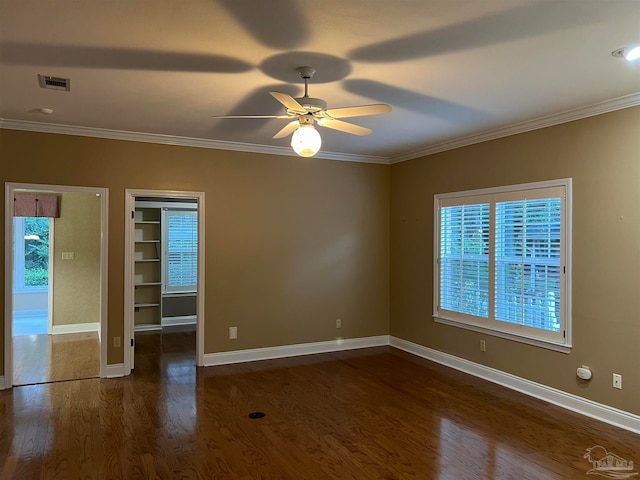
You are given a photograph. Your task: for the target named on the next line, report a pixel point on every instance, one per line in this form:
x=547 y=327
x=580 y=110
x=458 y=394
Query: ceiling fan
x=305 y=111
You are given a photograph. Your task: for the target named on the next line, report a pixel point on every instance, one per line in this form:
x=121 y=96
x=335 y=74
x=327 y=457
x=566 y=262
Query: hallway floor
x=53 y=358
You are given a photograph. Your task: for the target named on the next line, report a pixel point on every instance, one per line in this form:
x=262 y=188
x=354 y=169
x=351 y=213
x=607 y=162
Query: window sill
x=562 y=348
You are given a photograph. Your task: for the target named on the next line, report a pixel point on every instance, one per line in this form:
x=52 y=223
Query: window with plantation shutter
x=503 y=262
x=527 y=259
x=464 y=259
x=181 y=257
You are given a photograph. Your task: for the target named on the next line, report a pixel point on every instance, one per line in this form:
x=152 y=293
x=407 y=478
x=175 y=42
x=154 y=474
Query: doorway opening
x=164 y=274
x=55 y=277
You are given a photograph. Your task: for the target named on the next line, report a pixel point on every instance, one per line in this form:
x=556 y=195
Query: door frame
x=129 y=246
x=10 y=190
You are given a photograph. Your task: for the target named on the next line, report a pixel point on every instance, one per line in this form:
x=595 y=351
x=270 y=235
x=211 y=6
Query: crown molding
x=607 y=106
x=80 y=131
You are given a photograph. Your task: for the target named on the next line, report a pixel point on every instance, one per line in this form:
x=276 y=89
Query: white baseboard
x=268 y=353
x=113 y=371
x=604 y=413
x=76 y=328
x=2 y=385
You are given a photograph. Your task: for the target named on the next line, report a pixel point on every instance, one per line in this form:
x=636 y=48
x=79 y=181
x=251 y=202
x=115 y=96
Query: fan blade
x=288 y=129
x=361 y=111
x=289 y=102
x=344 y=126
x=253 y=116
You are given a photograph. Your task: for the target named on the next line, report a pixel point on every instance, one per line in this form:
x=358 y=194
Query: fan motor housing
x=311 y=104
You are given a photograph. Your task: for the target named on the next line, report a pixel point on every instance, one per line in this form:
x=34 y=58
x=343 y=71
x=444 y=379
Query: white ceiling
x=449 y=68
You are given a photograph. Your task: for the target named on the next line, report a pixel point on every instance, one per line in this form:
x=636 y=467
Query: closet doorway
x=55 y=277
x=164 y=268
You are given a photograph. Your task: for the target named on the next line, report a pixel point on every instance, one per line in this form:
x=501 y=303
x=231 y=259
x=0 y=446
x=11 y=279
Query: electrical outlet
x=617 y=381
x=483 y=346
x=233 y=333
x=338 y=323
x=68 y=255
x=116 y=342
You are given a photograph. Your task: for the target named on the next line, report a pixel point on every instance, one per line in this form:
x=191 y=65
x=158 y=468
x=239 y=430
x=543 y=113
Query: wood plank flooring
x=364 y=414
x=54 y=358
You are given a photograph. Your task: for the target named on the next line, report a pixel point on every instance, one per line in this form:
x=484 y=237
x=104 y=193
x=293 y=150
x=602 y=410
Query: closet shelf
x=147 y=267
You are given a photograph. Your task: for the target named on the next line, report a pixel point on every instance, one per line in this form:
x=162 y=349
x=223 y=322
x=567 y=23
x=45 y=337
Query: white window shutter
x=182 y=251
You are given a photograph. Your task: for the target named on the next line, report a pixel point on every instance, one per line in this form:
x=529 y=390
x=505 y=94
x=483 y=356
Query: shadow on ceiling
x=118 y=58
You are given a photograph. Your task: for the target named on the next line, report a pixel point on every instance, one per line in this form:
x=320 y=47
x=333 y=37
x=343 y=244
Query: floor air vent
x=54 y=83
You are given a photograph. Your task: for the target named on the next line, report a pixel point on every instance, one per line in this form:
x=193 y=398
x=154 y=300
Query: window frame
x=559 y=341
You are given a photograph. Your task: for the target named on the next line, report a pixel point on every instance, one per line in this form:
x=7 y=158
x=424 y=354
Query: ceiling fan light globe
x=306 y=141
x=632 y=54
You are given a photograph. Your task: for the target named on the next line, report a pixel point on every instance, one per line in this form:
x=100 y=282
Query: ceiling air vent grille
x=54 y=83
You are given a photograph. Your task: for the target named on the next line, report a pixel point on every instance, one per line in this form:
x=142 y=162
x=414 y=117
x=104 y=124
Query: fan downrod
x=310 y=104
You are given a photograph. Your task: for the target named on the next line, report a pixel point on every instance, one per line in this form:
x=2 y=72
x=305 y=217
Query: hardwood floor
x=363 y=414
x=54 y=358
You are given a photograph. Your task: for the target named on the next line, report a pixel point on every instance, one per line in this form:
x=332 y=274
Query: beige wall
x=76 y=282
x=602 y=155
x=291 y=243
